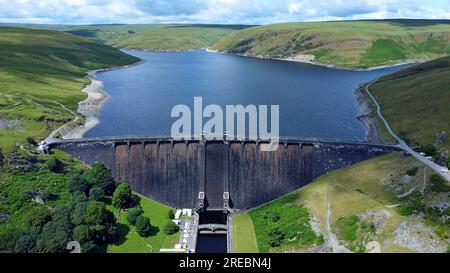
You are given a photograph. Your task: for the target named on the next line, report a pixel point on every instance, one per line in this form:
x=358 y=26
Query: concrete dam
x=218 y=174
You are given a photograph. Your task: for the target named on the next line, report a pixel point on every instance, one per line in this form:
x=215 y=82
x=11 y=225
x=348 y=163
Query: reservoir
x=314 y=101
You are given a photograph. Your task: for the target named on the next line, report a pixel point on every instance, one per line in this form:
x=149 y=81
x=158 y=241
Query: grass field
x=416 y=101
x=133 y=243
x=157 y=37
x=244 y=238
x=42 y=73
x=355 y=44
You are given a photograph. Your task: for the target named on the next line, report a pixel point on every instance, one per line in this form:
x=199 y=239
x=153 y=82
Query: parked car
x=444 y=170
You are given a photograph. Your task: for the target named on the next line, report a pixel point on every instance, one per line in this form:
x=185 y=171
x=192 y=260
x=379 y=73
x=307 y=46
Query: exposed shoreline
x=366 y=115
x=332 y=66
x=88 y=108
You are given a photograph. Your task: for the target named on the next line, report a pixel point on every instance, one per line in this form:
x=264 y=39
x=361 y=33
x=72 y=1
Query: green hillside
x=156 y=37
x=42 y=73
x=388 y=201
x=355 y=44
x=416 y=101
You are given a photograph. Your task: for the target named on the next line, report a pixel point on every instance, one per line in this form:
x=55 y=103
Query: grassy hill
x=156 y=37
x=416 y=101
x=379 y=200
x=355 y=44
x=42 y=73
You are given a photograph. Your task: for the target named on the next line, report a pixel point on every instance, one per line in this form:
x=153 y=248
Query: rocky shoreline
x=89 y=108
x=308 y=59
x=366 y=115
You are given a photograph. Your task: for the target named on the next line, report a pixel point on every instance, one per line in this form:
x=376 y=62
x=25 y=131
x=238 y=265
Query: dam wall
x=176 y=173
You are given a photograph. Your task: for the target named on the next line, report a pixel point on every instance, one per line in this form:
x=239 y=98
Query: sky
x=215 y=11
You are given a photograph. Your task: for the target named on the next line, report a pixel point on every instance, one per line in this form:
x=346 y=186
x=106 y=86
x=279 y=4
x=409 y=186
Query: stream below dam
x=212 y=243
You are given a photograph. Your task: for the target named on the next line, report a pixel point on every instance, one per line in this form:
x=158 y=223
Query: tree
x=429 y=149
x=439 y=184
x=97 y=214
x=170 y=228
x=1 y=158
x=79 y=197
x=89 y=247
x=78 y=183
x=170 y=214
x=101 y=177
x=31 y=141
x=78 y=213
x=275 y=217
x=143 y=226
x=113 y=233
x=133 y=214
x=81 y=234
x=37 y=217
x=96 y=194
x=56 y=233
x=276 y=237
x=448 y=163
x=122 y=197
x=25 y=244
x=55 y=165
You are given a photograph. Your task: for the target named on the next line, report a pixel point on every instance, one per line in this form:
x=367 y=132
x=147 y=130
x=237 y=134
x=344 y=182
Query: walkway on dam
x=402 y=144
x=213 y=227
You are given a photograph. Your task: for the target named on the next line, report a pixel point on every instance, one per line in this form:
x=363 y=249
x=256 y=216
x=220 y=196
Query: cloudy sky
x=214 y=11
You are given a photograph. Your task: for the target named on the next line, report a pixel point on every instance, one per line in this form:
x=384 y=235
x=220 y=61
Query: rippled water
x=314 y=101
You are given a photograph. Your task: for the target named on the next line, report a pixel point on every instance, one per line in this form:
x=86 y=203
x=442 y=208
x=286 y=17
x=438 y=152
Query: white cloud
x=214 y=11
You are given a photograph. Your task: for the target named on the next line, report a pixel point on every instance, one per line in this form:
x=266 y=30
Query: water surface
x=314 y=101
x=207 y=243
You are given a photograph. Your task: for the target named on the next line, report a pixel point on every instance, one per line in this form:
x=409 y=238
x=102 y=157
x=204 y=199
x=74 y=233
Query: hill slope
x=42 y=72
x=416 y=101
x=388 y=201
x=355 y=44
x=157 y=37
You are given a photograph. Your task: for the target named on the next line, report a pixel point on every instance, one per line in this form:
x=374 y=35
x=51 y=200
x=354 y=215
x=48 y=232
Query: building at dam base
x=218 y=174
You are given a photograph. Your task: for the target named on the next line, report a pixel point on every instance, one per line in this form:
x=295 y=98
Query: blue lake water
x=314 y=101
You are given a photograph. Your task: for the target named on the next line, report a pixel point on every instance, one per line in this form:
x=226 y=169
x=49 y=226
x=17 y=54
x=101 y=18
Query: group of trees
x=136 y=218
x=85 y=219
x=170 y=227
x=123 y=198
x=96 y=183
x=89 y=223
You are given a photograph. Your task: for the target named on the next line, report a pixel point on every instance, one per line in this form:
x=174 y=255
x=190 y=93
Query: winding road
x=401 y=144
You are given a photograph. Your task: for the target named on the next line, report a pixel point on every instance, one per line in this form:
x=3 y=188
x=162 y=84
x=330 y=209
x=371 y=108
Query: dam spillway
x=217 y=174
